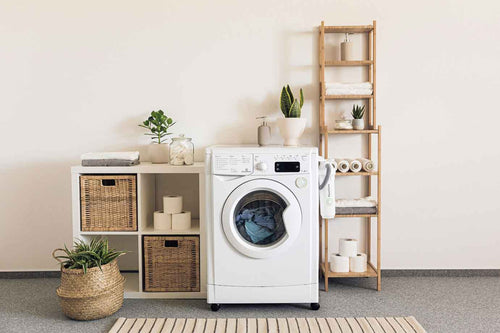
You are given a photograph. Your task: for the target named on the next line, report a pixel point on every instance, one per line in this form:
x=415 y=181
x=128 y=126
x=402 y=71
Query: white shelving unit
x=153 y=181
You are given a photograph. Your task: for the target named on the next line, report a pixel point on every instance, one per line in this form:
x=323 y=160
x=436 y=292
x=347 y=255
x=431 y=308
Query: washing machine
x=262 y=225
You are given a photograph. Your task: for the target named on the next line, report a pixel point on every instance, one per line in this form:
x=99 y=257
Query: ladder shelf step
x=349 y=28
x=348 y=63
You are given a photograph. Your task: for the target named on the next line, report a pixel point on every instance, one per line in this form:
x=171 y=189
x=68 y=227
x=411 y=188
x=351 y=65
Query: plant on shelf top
x=84 y=256
x=290 y=106
x=158 y=123
x=358 y=111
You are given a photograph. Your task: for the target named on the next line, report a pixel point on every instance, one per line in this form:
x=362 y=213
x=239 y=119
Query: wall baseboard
x=439 y=272
x=385 y=273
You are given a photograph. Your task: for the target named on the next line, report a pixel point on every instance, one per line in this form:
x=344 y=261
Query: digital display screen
x=287 y=166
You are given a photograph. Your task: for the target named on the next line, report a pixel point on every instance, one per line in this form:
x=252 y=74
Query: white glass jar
x=181 y=151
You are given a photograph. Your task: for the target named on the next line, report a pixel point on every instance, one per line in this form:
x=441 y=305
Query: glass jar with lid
x=181 y=151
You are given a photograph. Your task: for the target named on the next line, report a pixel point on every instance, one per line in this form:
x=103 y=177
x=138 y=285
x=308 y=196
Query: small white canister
x=181 y=151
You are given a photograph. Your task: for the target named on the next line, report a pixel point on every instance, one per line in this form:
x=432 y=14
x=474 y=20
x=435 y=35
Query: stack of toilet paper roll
x=348 y=259
x=354 y=165
x=172 y=216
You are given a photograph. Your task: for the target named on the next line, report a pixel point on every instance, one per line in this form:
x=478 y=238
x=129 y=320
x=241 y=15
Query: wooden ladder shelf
x=373 y=129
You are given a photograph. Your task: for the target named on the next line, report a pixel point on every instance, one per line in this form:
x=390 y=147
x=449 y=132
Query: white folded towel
x=121 y=155
x=348 y=91
x=342 y=165
x=361 y=202
x=354 y=165
x=347 y=85
x=366 y=164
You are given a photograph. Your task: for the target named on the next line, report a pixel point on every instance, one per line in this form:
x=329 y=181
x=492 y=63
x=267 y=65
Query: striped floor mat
x=268 y=325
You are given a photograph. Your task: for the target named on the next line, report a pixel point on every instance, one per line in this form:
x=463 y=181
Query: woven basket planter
x=96 y=294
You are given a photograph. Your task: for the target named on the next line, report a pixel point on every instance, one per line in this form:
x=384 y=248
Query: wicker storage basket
x=96 y=294
x=171 y=263
x=108 y=202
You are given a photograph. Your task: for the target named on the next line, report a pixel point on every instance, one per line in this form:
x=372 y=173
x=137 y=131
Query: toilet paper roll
x=354 y=165
x=181 y=221
x=366 y=164
x=162 y=221
x=358 y=263
x=338 y=263
x=342 y=165
x=172 y=204
x=348 y=247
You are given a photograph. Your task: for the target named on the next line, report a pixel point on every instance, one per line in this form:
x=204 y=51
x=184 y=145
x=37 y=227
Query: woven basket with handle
x=96 y=294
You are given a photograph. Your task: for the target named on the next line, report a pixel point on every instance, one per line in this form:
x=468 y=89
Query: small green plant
x=290 y=106
x=358 y=111
x=85 y=256
x=158 y=123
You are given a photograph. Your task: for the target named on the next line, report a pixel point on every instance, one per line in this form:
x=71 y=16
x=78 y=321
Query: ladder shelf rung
x=348 y=62
x=349 y=28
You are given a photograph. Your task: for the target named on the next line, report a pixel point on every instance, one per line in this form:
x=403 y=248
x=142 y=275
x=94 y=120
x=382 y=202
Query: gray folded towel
x=109 y=162
x=355 y=210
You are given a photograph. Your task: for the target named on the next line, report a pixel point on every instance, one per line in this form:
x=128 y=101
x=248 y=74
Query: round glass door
x=258 y=217
x=261 y=218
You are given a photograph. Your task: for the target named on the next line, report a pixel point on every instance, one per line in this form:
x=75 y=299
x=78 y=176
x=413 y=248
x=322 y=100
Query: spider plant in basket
x=292 y=126
x=357 y=113
x=91 y=283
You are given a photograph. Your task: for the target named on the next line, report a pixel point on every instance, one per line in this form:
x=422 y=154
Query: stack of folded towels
x=367 y=205
x=125 y=158
x=337 y=88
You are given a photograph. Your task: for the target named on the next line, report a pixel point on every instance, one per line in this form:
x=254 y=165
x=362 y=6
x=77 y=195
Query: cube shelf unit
x=373 y=129
x=153 y=181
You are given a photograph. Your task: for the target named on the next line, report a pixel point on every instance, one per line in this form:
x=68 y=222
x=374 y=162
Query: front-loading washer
x=262 y=225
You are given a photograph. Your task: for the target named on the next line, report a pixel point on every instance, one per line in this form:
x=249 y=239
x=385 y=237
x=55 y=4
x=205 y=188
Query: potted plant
x=158 y=124
x=357 y=113
x=292 y=126
x=91 y=283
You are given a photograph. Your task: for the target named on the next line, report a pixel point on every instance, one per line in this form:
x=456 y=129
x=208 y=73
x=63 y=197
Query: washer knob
x=261 y=166
x=301 y=182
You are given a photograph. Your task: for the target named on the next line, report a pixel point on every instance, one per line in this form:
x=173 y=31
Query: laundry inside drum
x=259 y=218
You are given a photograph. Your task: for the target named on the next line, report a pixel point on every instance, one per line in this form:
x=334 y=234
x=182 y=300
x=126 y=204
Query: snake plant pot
x=158 y=152
x=358 y=124
x=291 y=130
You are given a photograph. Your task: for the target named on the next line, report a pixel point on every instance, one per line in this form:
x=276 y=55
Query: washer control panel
x=241 y=164
x=232 y=164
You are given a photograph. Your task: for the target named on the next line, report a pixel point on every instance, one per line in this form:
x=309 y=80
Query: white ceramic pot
x=158 y=153
x=358 y=124
x=291 y=130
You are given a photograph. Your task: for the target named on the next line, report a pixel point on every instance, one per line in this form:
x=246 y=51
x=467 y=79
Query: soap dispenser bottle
x=264 y=133
x=346 y=49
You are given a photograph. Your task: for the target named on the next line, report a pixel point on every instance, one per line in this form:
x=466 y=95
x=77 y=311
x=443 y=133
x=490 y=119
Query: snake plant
x=290 y=106
x=357 y=111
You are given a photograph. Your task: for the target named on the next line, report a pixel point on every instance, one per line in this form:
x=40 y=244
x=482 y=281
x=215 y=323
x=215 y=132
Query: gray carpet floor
x=440 y=304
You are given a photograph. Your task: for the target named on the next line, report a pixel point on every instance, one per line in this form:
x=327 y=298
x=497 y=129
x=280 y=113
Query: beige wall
x=77 y=76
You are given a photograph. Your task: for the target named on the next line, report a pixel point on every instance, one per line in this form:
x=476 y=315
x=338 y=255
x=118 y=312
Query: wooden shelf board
x=348 y=63
x=349 y=28
x=363 y=173
x=194 y=230
x=365 y=131
x=369 y=273
x=348 y=97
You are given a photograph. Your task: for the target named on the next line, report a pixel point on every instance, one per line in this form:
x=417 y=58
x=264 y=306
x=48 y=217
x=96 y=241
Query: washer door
x=261 y=218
